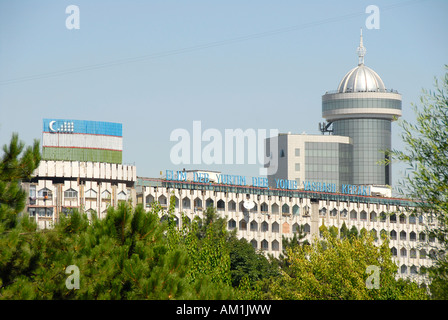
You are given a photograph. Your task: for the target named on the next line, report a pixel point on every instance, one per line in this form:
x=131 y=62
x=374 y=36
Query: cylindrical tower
x=363 y=109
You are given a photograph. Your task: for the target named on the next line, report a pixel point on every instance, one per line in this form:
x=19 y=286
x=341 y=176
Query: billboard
x=82 y=140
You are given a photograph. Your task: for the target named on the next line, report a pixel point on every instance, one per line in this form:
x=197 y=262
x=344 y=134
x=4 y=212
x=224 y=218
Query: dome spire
x=361 y=51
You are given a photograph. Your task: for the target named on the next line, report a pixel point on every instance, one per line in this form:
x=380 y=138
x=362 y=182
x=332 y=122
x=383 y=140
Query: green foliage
x=426 y=154
x=16 y=164
x=335 y=268
x=18 y=260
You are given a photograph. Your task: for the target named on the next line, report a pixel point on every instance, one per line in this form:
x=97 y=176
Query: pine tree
x=18 y=259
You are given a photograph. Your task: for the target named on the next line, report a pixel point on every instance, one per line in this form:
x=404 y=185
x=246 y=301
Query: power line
x=197 y=47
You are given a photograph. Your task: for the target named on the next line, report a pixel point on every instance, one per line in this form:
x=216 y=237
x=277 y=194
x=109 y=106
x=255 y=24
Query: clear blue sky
x=249 y=64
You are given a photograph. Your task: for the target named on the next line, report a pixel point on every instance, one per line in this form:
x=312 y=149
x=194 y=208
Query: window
x=297 y=166
x=297 y=152
x=323 y=211
x=70 y=193
x=393 y=235
x=32 y=194
x=403 y=252
x=105 y=195
x=402 y=218
x=91 y=194
x=282 y=153
x=45 y=194
x=253 y=226
x=394 y=252
x=264 y=245
x=363 y=215
x=122 y=196
x=31 y=212
x=220 y=205
x=403 y=235
x=404 y=269
x=264 y=226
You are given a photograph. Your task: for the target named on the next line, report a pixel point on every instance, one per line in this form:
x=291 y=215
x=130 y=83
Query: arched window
x=394 y=251
x=296 y=210
x=403 y=252
x=221 y=205
x=90 y=194
x=393 y=235
x=264 y=226
x=186 y=204
x=404 y=269
x=363 y=215
x=45 y=194
x=323 y=212
x=70 y=193
x=264 y=207
x=307 y=228
x=264 y=245
x=403 y=235
x=254 y=244
x=121 y=196
x=253 y=225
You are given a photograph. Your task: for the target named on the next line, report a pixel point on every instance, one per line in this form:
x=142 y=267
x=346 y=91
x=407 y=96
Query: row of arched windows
x=413 y=253
x=221 y=205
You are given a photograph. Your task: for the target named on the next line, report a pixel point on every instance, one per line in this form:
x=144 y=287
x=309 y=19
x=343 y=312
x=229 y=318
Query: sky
x=157 y=66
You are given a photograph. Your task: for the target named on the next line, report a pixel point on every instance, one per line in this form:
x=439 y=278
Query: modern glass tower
x=363 y=109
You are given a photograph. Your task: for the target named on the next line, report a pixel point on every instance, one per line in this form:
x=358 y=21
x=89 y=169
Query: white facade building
x=58 y=186
x=277 y=213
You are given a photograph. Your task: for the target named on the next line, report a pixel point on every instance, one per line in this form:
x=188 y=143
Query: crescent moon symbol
x=51 y=126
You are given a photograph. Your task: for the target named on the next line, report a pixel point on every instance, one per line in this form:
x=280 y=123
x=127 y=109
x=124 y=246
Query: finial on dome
x=361 y=51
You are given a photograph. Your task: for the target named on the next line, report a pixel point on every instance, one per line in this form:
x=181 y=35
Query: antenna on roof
x=361 y=51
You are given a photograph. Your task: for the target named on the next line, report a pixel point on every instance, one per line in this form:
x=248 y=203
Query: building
x=80 y=168
x=319 y=158
x=264 y=215
x=363 y=109
x=332 y=180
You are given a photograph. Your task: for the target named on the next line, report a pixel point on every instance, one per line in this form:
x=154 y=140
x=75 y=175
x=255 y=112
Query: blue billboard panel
x=82 y=126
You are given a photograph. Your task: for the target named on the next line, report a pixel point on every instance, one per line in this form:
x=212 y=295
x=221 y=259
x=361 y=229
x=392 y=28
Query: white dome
x=361 y=79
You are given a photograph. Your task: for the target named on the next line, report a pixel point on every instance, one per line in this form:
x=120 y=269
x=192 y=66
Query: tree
x=334 y=268
x=426 y=154
x=17 y=164
x=17 y=257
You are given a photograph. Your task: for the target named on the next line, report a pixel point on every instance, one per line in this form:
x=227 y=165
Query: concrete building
x=319 y=158
x=80 y=168
x=363 y=109
x=264 y=215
